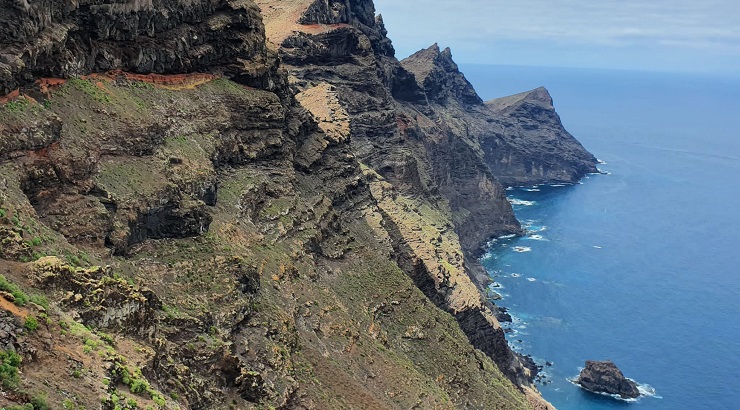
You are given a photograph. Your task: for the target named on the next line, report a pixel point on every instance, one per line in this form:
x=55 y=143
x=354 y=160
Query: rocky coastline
x=255 y=204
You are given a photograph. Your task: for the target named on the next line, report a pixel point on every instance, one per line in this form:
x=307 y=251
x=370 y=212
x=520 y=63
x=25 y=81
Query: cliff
x=541 y=151
x=228 y=204
x=520 y=138
x=62 y=39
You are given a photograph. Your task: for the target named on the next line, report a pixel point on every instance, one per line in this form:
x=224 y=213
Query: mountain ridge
x=286 y=212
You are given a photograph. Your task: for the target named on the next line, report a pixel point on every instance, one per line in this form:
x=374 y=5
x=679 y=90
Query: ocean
x=640 y=265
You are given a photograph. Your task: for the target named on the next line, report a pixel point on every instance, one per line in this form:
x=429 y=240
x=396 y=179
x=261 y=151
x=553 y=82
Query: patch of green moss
x=91 y=89
x=21 y=104
x=134 y=177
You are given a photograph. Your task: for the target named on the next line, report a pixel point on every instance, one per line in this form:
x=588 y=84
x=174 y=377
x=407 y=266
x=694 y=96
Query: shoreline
x=495 y=298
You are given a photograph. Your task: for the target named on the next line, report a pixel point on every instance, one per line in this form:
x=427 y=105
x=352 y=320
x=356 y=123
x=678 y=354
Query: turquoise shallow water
x=640 y=266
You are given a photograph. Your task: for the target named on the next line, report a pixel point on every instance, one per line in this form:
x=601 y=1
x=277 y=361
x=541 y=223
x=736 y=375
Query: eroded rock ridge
x=254 y=204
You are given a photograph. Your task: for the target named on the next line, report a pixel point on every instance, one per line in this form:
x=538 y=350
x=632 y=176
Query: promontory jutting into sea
x=253 y=204
x=612 y=264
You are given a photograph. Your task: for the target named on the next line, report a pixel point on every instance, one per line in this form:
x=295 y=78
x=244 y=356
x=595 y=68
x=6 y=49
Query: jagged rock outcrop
x=98 y=297
x=439 y=77
x=12 y=245
x=605 y=377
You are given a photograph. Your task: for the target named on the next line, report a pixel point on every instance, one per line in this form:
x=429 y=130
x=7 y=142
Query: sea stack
x=605 y=377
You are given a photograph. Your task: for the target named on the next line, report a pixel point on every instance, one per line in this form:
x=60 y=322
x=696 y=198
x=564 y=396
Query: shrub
x=125 y=376
x=159 y=400
x=40 y=300
x=39 y=403
x=107 y=338
x=139 y=386
x=31 y=324
x=9 y=368
x=13 y=289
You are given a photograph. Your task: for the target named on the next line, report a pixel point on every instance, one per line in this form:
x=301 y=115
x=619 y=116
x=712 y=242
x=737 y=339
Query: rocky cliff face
x=200 y=228
x=411 y=154
x=63 y=39
x=520 y=138
x=541 y=150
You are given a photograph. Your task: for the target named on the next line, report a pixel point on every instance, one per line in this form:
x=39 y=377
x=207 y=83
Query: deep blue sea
x=640 y=266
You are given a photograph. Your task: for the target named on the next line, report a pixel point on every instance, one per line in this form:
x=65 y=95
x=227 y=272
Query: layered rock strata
x=421 y=128
x=208 y=230
x=63 y=39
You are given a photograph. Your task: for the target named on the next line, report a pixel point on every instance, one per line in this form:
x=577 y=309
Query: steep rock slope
x=410 y=157
x=520 y=137
x=427 y=136
x=544 y=152
x=186 y=240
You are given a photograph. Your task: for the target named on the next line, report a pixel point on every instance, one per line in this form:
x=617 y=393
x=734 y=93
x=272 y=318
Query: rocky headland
x=238 y=204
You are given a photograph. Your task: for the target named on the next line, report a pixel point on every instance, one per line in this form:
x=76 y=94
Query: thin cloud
x=712 y=25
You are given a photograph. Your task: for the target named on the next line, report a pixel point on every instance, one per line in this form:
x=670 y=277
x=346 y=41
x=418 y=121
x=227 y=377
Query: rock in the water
x=605 y=377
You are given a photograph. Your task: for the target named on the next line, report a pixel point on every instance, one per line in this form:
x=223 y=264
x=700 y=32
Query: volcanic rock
x=285 y=225
x=605 y=377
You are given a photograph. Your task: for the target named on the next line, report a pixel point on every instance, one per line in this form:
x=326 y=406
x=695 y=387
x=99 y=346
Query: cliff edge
x=543 y=152
x=252 y=204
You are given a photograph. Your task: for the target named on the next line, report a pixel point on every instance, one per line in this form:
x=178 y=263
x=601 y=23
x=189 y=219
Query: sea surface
x=640 y=265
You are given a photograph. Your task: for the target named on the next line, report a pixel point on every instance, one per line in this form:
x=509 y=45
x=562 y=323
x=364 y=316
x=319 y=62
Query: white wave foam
x=507 y=236
x=601 y=161
x=531 y=279
x=602 y=172
x=521 y=249
x=531 y=189
x=531 y=227
x=516 y=275
x=597 y=247
x=522 y=202
x=645 y=390
x=558 y=185
x=536 y=237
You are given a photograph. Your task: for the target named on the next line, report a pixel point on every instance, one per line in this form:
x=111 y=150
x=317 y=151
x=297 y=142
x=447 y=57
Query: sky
x=654 y=35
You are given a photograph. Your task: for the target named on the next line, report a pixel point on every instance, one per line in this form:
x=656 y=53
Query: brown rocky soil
x=282 y=20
